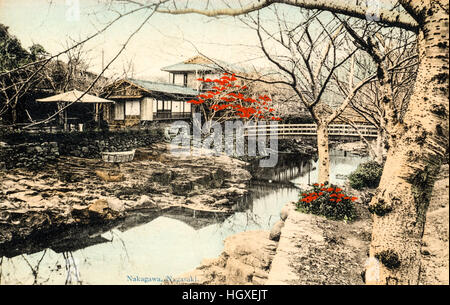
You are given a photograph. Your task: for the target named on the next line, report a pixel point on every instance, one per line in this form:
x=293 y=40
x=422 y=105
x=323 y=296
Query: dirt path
x=316 y=251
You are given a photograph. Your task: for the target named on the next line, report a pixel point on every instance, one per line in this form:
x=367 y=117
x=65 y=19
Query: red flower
x=330 y=189
x=346 y=197
x=354 y=198
x=337 y=200
x=338 y=190
x=333 y=195
x=316 y=184
x=332 y=199
x=320 y=194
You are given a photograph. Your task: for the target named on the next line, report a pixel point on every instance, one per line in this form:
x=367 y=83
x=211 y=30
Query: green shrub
x=328 y=201
x=367 y=174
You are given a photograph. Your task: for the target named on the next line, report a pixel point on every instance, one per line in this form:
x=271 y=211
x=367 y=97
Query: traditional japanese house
x=138 y=101
x=187 y=72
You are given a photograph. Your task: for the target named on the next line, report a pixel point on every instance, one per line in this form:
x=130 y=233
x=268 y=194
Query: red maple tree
x=230 y=100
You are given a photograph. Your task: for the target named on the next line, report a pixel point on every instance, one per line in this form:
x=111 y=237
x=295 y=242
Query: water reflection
x=162 y=247
x=149 y=245
x=341 y=165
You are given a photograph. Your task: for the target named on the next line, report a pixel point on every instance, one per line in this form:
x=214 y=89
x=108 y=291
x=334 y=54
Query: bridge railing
x=311 y=129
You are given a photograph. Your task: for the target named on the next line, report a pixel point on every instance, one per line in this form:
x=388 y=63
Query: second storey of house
x=186 y=73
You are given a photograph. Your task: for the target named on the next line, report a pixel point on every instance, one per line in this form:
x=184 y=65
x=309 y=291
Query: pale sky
x=164 y=40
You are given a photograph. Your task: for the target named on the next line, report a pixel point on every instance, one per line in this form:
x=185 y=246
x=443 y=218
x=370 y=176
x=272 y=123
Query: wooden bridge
x=290 y=130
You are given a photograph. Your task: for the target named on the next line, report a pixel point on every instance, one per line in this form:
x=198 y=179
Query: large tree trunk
x=324 y=154
x=380 y=149
x=413 y=161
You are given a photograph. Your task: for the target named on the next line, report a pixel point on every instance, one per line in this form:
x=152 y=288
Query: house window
x=187 y=107
x=160 y=105
x=147 y=109
x=177 y=106
x=185 y=76
x=119 y=111
x=155 y=105
x=132 y=108
x=167 y=105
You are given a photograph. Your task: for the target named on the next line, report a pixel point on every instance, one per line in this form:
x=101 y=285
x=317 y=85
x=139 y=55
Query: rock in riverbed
x=275 y=232
x=246 y=259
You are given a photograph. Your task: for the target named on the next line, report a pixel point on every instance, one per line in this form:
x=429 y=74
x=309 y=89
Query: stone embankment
x=356 y=148
x=35 y=151
x=28 y=155
x=246 y=259
x=305 y=146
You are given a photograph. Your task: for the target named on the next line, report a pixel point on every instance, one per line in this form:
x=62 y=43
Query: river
x=154 y=247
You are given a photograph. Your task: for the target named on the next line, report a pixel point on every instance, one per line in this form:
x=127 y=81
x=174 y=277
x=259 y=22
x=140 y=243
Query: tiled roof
x=201 y=64
x=182 y=67
x=163 y=88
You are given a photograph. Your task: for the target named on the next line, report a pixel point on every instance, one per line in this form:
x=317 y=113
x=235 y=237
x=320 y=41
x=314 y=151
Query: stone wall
x=28 y=155
x=35 y=150
x=78 y=145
